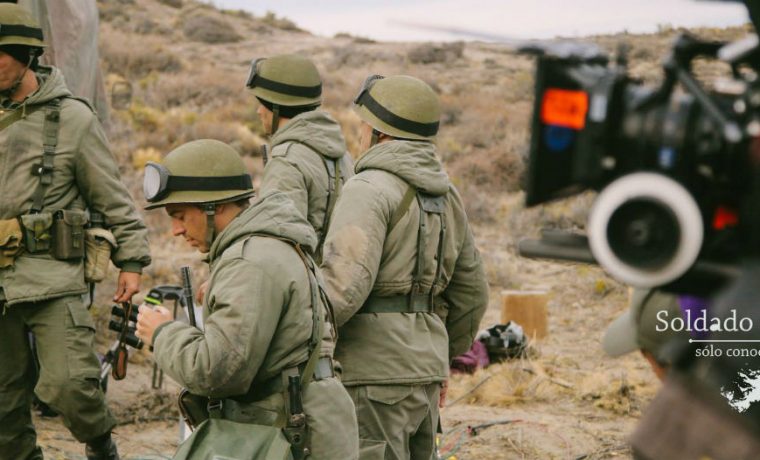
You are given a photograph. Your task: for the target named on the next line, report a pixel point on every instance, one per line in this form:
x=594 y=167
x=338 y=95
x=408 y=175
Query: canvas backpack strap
x=334 y=184
x=49 y=143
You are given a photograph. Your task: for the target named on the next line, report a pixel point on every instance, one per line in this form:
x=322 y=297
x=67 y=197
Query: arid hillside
x=176 y=71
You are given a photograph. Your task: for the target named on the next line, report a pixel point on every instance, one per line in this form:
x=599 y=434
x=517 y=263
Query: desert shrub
x=208 y=88
x=172 y=3
x=209 y=29
x=135 y=56
x=243 y=14
x=429 y=53
x=355 y=38
x=272 y=20
x=494 y=169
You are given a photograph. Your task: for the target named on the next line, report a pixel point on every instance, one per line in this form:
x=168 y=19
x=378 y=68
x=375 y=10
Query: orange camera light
x=566 y=108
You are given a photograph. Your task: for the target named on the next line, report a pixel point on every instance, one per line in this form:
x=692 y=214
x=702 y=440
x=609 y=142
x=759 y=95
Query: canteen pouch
x=227 y=440
x=98 y=243
x=38 y=238
x=68 y=234
x=10 y=242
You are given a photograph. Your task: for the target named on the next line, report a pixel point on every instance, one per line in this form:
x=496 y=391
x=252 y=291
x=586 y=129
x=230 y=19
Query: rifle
x=156 y=296
x=187 y=293
x=115 y=359
x=124 y=319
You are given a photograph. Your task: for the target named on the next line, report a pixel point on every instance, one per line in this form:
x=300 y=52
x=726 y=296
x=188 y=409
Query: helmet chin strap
x=375 y=137
x=9 y=92
x=275 y=118
x=210 y=210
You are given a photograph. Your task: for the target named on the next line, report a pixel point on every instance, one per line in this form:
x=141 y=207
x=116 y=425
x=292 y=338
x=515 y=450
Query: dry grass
x=210 y=29
x=142 y=55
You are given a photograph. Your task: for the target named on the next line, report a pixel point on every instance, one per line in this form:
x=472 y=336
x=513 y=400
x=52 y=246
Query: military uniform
x=41 y=293
x=408 y=289
x=310 y=164
x=309 y=160
x=258 y=321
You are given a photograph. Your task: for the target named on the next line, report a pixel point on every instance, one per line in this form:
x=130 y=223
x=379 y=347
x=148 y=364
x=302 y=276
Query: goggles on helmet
x=364 y=98
x=159 y=182
x=256 y=80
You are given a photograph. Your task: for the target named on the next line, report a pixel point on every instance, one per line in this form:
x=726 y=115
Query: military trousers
x=396 y=422
x=68 y=378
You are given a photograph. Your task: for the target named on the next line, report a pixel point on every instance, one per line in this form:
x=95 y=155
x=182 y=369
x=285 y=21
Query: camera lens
x=645 y=229
x=644 y=233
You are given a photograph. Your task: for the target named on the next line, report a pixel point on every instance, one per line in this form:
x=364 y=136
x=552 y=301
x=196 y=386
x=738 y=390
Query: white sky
x=383 y=20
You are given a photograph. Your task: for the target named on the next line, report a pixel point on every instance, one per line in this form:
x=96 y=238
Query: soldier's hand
x=442 y=397
x=127 y=285
x=201 y=292
x=149 y=319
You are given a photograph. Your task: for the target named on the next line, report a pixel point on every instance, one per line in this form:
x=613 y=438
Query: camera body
x=672 y=163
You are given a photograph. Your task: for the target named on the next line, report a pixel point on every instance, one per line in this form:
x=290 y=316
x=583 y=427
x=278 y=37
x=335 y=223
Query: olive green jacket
x=258 y=322
x=85 y=176
x=361 y=258
x=297 y=166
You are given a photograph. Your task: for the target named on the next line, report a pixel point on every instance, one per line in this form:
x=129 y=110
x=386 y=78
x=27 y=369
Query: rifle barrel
x=187 y=292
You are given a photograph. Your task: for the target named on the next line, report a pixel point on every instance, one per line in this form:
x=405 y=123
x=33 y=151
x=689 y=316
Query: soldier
x=56 y=166
x=261 y=323
x=639 y=329
x=402 y=271
x=309 y=161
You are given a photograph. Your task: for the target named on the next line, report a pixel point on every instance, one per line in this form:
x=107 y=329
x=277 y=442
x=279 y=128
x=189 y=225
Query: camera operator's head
x=396 y=107
x=645 y=326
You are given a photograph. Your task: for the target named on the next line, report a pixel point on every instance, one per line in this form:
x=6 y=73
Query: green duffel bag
x=219 y=439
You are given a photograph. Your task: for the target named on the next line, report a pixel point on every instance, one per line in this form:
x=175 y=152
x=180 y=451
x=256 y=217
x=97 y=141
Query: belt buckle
x=214 y=407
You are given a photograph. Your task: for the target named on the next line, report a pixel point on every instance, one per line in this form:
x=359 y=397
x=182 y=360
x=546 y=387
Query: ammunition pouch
x=38 y=237
x=68 y=234
x=59 y=233
x=10 y=241
x=99 y=243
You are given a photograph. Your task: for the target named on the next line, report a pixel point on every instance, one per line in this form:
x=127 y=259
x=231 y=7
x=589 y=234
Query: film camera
x=673 y=164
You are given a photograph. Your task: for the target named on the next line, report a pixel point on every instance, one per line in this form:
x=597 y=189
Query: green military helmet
x=287 y=80
x=399 y=106
x=204 y=171
x=18 y=27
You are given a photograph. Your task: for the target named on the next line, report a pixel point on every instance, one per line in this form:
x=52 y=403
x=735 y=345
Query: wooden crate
x=528 y=309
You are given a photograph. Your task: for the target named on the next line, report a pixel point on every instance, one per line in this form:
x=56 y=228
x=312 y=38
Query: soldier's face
x=10 y=70
x=265 y=115
x=189 y=222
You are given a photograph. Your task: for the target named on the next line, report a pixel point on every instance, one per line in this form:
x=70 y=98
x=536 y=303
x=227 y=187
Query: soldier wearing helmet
x=309 y=161
x=57 y=174
x=402 y=271
x=267 y=317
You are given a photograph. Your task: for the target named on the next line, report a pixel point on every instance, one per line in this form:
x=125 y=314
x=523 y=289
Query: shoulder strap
x=334 y=186
x=431 y=205
x=17 y=114
x=49 y=143
x=402 y=208
x=317 y=292
x=317 y=329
